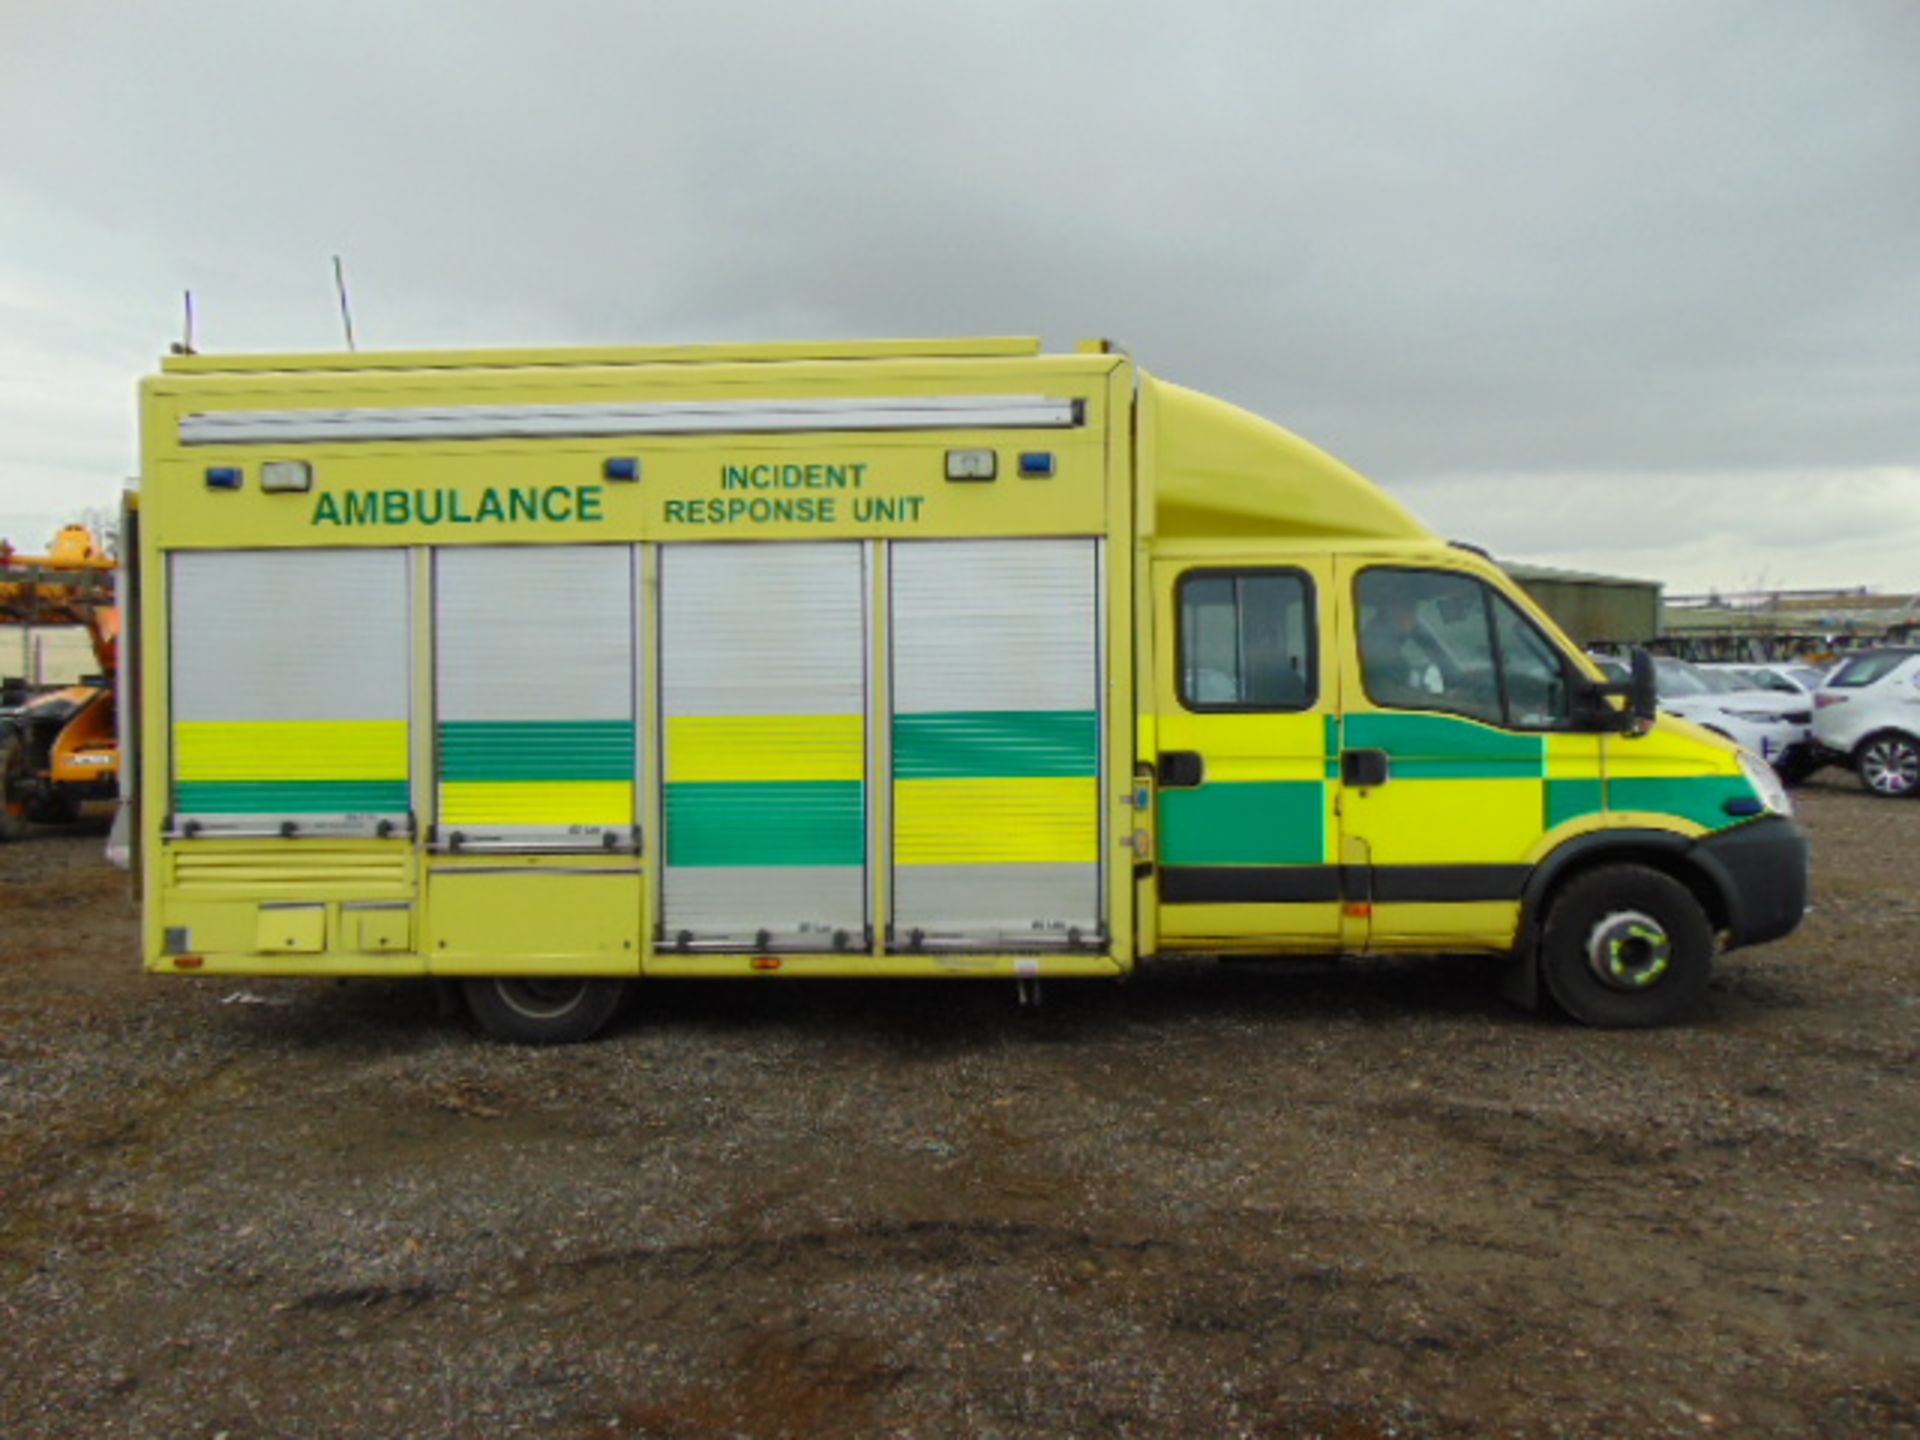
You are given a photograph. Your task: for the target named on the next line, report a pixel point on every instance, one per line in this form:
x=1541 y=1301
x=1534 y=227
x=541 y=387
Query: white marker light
x=286 y=476
x=971 y=464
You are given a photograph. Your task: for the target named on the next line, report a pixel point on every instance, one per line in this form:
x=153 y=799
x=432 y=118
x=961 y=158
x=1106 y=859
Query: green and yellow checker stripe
x=290 y=767
x=990 y=787
x=1264 y=809
x=536 y=772
x=765 y=790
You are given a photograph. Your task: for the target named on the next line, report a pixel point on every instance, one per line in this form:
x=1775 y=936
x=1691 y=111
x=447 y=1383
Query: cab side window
x=1246 y=640
x=1533 y=673
x=1434 y=640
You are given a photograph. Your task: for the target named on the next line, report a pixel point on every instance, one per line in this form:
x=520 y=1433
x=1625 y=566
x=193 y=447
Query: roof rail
x=961 y=348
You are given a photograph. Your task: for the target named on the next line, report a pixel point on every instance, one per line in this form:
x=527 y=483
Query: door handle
x=1365 y=767
x=1181 y=769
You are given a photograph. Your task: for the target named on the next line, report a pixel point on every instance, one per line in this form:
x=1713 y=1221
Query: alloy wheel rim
x=1629 y=950
x=1891 y=766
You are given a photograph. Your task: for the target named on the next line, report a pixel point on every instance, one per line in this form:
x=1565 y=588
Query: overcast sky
x=1629 y=285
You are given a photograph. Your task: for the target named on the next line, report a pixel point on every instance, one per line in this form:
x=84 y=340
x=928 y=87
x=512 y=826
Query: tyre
x=1798 y=767
x=1626 y=947
x=56 y=809
x=561 y=1010
x=1889 y=764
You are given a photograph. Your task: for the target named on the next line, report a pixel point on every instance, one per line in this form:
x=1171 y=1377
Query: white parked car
x=1786 y=677
x=1868 y=715
x=1775 y=726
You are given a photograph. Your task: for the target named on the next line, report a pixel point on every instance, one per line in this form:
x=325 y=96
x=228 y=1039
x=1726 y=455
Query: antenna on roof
x=346 y=314
x=184 y=345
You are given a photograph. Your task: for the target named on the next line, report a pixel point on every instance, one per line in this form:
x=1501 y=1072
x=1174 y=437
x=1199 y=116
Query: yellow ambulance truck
x=542 y=672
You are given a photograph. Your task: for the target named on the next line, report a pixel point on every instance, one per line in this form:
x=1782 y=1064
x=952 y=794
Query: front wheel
x=1889 y=765
x=541 y=1011
x=1626 y=947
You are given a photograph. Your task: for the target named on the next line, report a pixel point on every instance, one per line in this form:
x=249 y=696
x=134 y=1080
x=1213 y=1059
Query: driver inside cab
x=1402 y=664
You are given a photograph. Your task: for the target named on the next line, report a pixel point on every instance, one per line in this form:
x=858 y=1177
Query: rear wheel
x=561 y=1010
x=55 y=809
x=1889 y=764
x=1626 y=947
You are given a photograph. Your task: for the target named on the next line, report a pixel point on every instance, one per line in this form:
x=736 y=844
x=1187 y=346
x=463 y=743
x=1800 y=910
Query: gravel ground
x=1345 y=1201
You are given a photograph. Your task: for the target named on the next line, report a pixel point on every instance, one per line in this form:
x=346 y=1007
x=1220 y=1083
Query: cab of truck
x=1368 y=739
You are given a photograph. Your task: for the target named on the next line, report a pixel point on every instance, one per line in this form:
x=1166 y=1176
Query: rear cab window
x=1247 y=640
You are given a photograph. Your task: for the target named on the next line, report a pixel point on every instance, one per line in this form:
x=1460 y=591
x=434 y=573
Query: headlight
x=1766 y=783
x=1758 y=717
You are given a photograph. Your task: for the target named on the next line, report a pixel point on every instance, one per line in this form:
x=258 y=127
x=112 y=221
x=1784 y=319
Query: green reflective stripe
x=783 y=822
x=290 y=797
x=1260 y=822
x=1570 y=799
x=482 y=750
x=1459 y=744
x=1698 y=798
x=995 y=744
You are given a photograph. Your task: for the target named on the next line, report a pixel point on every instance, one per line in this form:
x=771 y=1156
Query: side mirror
x=1639 y=691
x=1643 y=697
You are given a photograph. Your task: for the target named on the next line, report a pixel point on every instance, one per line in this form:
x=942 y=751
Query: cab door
x=1245 y=702
x=1460 y=759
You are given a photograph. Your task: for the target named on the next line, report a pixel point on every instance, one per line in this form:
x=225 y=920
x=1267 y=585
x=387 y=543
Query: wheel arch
x=1878 y=732
x=1671 y=854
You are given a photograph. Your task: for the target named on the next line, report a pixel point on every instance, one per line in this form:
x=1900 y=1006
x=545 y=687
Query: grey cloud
x=1476 y=239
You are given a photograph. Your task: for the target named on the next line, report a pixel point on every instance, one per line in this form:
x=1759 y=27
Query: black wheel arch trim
x=1757 y=872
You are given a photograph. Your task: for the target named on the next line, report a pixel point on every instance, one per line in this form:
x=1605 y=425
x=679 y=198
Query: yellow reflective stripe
x=290 y=750
x=1048 y=820
x=765 y=747
x=536 y=802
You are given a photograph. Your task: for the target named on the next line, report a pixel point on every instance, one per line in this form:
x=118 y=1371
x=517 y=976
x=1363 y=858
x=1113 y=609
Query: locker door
x=289 y=690
x=996 y=666
x=763 y=704
x=534 y=696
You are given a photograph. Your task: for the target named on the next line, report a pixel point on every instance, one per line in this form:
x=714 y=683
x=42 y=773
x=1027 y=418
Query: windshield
x=1676 y=678
x=1765 y=680
x=1865 y=669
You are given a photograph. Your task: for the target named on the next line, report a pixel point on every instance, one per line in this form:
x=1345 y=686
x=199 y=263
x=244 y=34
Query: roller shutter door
x=763 y=701
x=996 y=743
x=289 y=690
x=534 y=694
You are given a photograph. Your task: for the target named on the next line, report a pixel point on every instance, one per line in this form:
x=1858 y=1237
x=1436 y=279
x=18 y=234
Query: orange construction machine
x=59 y=748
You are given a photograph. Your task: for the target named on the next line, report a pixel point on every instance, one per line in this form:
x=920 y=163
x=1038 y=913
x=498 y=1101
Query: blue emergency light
x=1036 y=464
x=224 y=477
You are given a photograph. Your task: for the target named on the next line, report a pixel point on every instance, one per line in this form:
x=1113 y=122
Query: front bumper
x=1761 y=869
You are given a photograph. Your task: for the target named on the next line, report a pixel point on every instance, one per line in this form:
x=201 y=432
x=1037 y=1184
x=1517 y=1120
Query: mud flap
x=1520 y=977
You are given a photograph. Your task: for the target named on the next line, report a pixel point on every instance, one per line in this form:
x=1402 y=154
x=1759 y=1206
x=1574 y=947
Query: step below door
x=763 y=698
x=996 y=744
